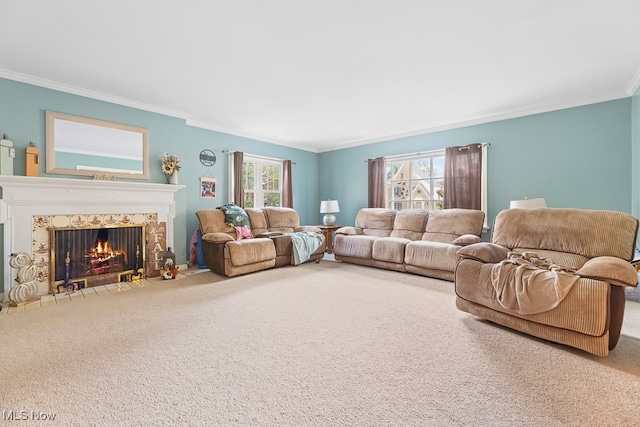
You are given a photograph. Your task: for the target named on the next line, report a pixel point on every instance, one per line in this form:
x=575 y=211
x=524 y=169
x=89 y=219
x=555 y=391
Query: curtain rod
x=482 y=144
x=399 y=156
x=273 y=159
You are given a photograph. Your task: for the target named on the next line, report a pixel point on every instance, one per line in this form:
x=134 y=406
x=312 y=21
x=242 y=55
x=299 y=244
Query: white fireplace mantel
x=25 y=197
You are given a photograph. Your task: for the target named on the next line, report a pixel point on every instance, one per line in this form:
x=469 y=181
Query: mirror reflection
x=84 y=146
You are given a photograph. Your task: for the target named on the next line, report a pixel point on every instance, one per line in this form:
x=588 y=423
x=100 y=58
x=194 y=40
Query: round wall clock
x=207 y=158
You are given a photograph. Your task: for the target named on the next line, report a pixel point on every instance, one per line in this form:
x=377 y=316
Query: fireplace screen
x=95 y=256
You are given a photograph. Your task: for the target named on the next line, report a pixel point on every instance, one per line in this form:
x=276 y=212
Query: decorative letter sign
x=156 y=247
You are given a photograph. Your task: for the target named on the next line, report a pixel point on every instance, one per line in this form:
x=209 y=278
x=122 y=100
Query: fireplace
x=31 y=206
x=91 y=256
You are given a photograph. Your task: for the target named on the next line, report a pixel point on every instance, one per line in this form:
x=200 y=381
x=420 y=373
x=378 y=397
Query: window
x=416 y=181
x=262 y=182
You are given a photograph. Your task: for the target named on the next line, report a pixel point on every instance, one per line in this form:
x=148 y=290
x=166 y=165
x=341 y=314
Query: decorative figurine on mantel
x=31 y=160
x=7 y=154
x=169 y=268
x=27 y=288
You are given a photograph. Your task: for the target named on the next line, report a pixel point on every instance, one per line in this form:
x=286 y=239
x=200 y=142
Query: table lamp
x=328 y=207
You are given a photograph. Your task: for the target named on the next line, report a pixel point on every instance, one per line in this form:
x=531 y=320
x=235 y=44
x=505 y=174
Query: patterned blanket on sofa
x=237 y=217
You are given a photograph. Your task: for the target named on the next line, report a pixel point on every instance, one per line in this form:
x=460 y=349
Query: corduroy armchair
x=586 y=260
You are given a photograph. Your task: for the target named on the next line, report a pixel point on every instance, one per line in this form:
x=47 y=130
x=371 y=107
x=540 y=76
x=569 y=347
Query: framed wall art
x=207 y=188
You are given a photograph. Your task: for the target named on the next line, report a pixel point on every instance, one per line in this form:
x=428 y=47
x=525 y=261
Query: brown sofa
x=557 y=274
x=412 y=240
x=269 y=246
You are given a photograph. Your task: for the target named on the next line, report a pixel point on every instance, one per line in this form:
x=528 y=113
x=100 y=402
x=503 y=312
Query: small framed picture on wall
x=207 y=188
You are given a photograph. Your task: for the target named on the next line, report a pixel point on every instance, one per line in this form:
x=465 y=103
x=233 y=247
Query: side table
x=328 y=236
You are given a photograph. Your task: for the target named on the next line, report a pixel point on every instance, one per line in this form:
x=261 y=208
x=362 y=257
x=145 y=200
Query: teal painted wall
x=635 y=149
x=578 y=157
x=22 y=117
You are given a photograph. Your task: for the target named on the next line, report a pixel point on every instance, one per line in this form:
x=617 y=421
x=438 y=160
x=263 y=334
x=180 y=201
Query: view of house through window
x=416 y=181
x=262 y=182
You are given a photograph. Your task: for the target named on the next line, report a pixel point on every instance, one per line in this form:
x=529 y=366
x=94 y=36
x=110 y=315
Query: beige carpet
x=326 y=344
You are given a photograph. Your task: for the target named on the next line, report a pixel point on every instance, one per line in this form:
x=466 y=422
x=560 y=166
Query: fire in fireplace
x=102 y=258
x=94 y=256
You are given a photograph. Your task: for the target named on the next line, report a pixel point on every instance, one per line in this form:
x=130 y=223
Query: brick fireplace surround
x=30 y=205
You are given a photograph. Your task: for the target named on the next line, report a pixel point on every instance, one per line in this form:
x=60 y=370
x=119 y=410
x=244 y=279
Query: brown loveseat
x=557 y=274
x=270 y=245
x=412 y=240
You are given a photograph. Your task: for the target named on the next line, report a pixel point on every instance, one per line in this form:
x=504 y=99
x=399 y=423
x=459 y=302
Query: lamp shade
x=528 y=204
x=329 y=206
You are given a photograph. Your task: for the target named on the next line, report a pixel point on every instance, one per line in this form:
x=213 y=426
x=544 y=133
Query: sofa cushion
x=448 y=224
x=375 y=221
x=585 y=232
x=436 y=255
x=484 y=252
x=467 y=239
x=250 y=251
x=281 y=219
x=258 y=221
x=611 y=270
x=409 y=224
x=213 y=221
x=390 y=249
x=359 y=246
x=349 y=230
x=217 y=237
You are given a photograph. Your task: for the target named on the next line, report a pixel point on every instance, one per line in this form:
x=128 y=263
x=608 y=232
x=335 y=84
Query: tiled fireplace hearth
x=32 y=207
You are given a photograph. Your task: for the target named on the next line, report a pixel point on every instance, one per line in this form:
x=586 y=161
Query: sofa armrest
x=311 y=228
x=610 y=269
x=467 y=239
x=217 y=237
x=348 y=230
x=484 y=252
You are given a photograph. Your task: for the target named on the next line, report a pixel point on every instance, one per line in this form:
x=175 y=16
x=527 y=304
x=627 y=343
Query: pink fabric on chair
x=242 y=232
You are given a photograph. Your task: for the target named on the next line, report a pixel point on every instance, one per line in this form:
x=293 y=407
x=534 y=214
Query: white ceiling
x=322 y=75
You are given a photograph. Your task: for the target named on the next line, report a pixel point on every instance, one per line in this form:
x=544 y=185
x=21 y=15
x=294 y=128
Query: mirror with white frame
x=84 y=146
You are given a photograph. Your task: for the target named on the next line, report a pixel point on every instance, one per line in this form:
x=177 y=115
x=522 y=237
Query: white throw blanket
x=304 y=244
x=528 y=284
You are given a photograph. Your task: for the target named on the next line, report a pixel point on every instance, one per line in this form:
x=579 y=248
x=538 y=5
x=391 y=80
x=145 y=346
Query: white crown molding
x=74 y=90
x=50 y=84
x=219 y=128
x=609 y=96
x=634 y=83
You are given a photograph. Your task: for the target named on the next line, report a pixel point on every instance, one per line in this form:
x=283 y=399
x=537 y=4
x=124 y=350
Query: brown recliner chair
x=595 y=246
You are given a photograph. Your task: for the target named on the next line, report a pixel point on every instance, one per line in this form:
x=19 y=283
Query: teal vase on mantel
x=173 y=178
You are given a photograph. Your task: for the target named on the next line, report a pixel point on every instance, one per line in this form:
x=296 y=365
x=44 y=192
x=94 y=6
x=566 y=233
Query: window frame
x=435 y=153
x=432 y=203
x=258 y=191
